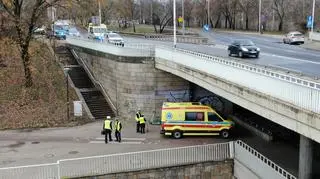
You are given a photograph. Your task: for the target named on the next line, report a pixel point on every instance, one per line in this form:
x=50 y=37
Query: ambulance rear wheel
x=177 y=134
x=225 y=133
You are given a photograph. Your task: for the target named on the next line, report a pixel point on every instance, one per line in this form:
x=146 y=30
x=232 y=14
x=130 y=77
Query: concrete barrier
x=314 y=36
x=194 y=39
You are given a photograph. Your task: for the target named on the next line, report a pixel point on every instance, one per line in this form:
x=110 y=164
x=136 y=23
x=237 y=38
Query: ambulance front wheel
x=225 y=133
x=177 y=134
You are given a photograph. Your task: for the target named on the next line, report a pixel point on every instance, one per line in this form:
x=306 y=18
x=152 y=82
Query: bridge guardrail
x=295 y=90
x=258 y=163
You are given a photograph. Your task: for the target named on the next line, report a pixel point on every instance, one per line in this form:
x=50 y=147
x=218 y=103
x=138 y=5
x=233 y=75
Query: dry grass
x=44 y=104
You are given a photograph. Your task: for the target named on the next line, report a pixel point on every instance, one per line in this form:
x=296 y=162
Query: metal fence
x=295 y=90
x=43 y=171
x=124 y=162
x=263 y=167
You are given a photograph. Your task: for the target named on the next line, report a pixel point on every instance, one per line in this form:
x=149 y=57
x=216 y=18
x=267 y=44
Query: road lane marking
x=114 y=142
x=139 y=139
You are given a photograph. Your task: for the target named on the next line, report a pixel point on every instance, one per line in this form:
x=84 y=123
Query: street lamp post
x=66 y=71
x=174 y=24
x=313 y=8
x=99 y=12
x=183 y=24
x=260 y=16
x=208 y=20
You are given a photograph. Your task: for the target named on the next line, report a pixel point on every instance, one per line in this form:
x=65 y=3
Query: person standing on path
x=142 y=122
x=118 y=127
x=138 y=115
x=107 y=127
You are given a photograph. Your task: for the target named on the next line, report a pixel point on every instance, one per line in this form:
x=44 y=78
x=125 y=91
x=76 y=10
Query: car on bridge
x=293 y=38
x=115 y=38
x=243 y=48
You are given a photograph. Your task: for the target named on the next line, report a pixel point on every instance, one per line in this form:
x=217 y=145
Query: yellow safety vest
x=141 y=120
x=107 y=124
x=118 y=126
x=139 y=115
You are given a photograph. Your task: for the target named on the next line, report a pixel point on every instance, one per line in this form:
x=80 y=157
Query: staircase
x=93 y=98
x=98 y=106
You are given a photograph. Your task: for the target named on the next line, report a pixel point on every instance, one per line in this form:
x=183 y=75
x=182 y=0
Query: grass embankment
x=43 y=104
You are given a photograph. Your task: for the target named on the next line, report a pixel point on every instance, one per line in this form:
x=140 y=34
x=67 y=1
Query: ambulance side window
x=194 y=116
x=91 y=30
x=213 y=117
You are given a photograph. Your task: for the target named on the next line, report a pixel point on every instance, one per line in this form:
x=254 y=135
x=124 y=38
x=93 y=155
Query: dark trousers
x=118 y=136
x=142 y=127
x=108 y=132
x=138 y=127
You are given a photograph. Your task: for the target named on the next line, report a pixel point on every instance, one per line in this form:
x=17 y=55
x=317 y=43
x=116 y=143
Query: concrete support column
x=305 y=158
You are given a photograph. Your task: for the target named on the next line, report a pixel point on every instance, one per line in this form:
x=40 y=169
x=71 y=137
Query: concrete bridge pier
x=305 y=158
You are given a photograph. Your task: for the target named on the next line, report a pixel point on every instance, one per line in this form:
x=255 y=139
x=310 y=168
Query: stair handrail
x=113 y=107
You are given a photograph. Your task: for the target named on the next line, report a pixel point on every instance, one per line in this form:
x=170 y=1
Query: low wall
x=217 y=170
x=314 y=36
x=193 y=39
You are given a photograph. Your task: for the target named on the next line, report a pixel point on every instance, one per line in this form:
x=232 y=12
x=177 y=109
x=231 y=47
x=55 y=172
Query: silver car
x=294 y=38
x=115 y=38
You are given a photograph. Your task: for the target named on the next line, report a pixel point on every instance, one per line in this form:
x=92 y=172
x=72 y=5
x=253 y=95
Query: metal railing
x=258 y=163
x=143 y=160
x=304 y=93
x=42 y=171
x=124 y=162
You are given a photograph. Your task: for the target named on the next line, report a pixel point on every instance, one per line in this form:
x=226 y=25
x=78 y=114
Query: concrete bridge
x=141 y=75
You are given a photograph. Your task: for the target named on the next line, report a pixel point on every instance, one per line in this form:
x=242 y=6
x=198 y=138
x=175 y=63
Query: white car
x=74 y=32
x=40 y=30
x=294 y=38
x=115 y=38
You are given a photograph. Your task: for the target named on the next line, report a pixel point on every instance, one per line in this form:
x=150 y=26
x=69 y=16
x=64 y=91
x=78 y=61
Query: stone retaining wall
x=208 y=170
x=133 y=82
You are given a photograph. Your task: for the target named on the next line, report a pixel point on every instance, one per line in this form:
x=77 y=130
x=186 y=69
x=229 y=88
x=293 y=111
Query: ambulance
x=192 y=118
x=97 y=31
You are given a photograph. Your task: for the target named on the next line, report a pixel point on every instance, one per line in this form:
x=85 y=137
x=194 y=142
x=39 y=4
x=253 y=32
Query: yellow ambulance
x=192 y=118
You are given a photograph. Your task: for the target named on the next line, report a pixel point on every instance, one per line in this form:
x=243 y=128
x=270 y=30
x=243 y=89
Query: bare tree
x=25 y=15
x=162 y=15
x=188 y=7
x=279 y=7
x=247 y=6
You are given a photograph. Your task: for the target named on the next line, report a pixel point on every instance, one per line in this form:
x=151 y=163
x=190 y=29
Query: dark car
x=243 y=48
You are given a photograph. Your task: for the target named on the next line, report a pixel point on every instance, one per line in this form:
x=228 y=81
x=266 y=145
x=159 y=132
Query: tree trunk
x=134 y=27
x=247 y=22
x=26 y=65
x=226 y=22
x=216 y=25
x=155 y=28
x=280 y=25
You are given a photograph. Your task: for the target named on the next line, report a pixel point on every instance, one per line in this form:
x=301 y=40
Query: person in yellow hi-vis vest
x=138 y=115
x=118 y=128
x=142 y=122
x=107 y=127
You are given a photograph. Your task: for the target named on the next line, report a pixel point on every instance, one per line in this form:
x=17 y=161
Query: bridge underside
x=266 y=106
